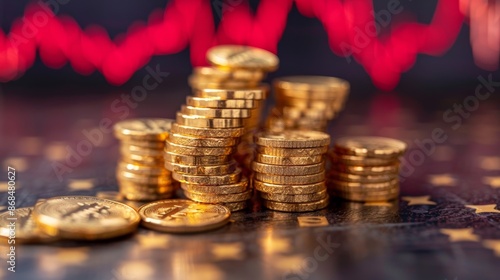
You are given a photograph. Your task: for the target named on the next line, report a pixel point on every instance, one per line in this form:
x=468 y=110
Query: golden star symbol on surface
x=490 y=163
x=379 y=204
x=486 y=208
x=442 y=180
x=228 y=251
x=81 y=184
x=493 y=244
x=418 y=200
x=153 y=241
x=460 y=234
x=493 y=181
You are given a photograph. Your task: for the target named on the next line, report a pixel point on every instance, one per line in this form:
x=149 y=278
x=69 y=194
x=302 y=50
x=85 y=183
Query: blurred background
x=395 y=43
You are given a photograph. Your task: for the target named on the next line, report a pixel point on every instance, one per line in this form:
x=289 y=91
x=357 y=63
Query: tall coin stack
x=201 y=147
x=306 y=102
x=289 y=170
x=141 y=173
x=366 y=168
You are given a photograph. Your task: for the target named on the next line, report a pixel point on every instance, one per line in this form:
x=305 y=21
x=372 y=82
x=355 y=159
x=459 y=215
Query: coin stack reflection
x=366 y=168
x=306 y=102
x=201 y=149
x=289 y=170
x=141 y=173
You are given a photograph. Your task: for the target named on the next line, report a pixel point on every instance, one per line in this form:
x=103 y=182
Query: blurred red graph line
x=183 y=23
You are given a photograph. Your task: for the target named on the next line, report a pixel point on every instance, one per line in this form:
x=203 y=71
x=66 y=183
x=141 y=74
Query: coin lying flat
x=202 y=169
x=218 y=198
x=25 y=229
x=199 y=82
x=290 y=180
x=238 y=187
x=296 y=207
x=367 y=170
x=85 y=217
x=288 y=170
x=206 y=102
x=293 y=139
x=258 y=93
x=216 y=113
x=198 y=151
x=207 y=132
x=361 y=161
x=211 y=180
x=314 y=87
x=221 y=75
x=288 y=189
x=143 y=129
x=197 y=160
x=242 y=57
x=203 y=122
x=287 y=152
x=369 y=146
x=186 y=140
x=183 y=216
x=277 y=160
x=296 y=198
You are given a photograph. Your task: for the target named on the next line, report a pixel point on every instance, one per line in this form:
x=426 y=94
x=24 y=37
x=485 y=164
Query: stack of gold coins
x=289 y=170
x=366 y=168
x=306 y=102
x=141 y=173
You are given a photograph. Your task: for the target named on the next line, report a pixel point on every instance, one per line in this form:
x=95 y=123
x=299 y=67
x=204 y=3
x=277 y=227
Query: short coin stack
x=366 y=168
x=141 y=173
x=289 y=170
x=306 y=102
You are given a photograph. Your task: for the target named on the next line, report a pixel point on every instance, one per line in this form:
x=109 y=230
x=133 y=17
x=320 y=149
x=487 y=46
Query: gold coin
x=142 y=160
x=186 y=140
x=202 y=170
x=143 y=129
x=197 y=82
x=202 y=122
x=238 y=187
x=362 y=187
x=216 y=113
x=236 y=206
x=314 y=87
x=361 y=161
x=157 y=145
x=19 y=225
x=183 y=216
x=296 y=207
x=287 y=169
x=288 y=189
x=147 y=170
x=295 y=113
x=367 y=170
x=277 y=160
x=140 y=151
x=219 y=74
x=206 y=102
x=370 y=146
x=85 y=217
x=256 y=93
x=207 y=132
x=293 y=139
x=198 y=151
x=367 y=196
x=290 y=180
x=362 y=178
x=242 y=57
x=295 y=198
x=286 y=152
x=143 y=179
x=209 y=180
x=197 y=160
x=218 y=198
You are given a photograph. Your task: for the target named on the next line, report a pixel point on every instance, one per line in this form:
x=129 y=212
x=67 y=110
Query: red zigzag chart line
x=350 y=26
